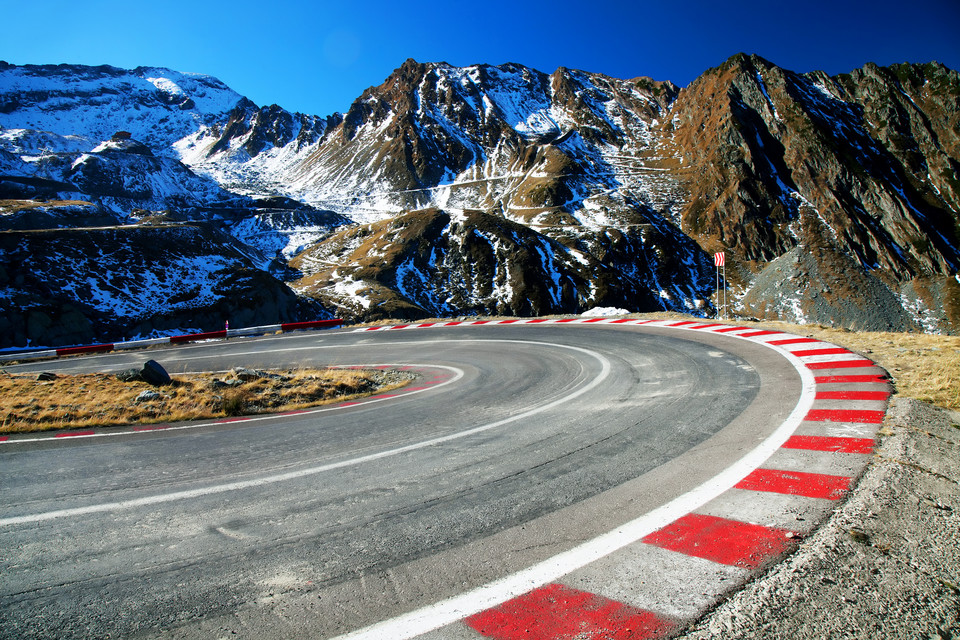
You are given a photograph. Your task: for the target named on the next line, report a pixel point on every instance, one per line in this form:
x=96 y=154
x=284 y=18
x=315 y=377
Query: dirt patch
x=51 y=402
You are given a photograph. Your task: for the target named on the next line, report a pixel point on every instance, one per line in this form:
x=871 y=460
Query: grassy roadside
x=94 y=400
x=924 y=367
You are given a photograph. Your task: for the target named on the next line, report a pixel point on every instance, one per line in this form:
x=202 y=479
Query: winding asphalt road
x=515 y=444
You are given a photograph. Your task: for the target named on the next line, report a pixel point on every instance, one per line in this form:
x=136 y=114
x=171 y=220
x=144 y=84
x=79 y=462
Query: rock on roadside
x=886 y=564
x=152 y=372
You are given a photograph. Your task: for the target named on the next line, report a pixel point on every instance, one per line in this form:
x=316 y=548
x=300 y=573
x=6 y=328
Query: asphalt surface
x=517 y=443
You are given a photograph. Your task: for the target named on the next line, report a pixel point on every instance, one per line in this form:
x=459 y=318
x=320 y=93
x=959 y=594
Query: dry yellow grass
x=97 y=399
x=922 y=366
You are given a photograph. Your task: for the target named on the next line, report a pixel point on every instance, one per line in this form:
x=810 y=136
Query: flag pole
x=719 y=261
x=724 y=289
x=716 y=265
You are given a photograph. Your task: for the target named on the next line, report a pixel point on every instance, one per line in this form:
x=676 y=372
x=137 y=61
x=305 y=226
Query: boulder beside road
x=152 y=372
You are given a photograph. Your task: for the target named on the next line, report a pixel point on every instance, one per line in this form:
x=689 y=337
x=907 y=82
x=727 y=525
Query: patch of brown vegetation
x=100 y=399
x=923 y=366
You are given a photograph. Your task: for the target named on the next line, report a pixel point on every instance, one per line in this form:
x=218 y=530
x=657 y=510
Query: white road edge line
x=440 y=614
x=605 y=368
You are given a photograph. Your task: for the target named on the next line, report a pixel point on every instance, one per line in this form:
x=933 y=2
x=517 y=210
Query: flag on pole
x=718 y=260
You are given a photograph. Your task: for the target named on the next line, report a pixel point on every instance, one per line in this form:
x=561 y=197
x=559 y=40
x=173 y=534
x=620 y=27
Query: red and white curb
x=658 y=573
x=181 y=339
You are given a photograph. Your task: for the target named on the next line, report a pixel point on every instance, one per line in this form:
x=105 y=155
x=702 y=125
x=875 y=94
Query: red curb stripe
x=853 y=395
x=195 y=337
x=537 y=320
x=706 y=326
x=780 y=343
x=731 y=329
x=796 y=483
x=682 y=323
x=823 y=352
x=845 y=415
x=594 y=320
x=841 y=364
x=721 y=540
x=567 y=320
x=830 y=444
x=622 y=320
x=92 y=348
x=879 y=378
x=4 y=438
x=74 y=434
x=756 y=334
x=311 y=324
x=558 y=612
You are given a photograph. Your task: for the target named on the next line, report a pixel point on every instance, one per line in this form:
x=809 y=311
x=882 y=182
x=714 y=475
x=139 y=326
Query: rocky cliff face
x=500 y=189
x=434 y=263
x=854 y=175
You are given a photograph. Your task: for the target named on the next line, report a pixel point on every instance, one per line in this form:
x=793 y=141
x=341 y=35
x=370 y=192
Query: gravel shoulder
x=887 y=562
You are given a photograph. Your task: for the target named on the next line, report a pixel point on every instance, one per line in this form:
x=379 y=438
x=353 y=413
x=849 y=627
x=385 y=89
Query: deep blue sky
x=318 y=56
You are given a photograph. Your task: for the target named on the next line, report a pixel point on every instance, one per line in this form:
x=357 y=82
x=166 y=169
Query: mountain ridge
x=806 y=181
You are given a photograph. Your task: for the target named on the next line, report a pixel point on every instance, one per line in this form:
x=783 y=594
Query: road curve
x=531 y=465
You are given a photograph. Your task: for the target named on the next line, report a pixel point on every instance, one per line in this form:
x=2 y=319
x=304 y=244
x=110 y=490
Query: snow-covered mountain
x=501 y=189
x=75 y=107
x=504 y=137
